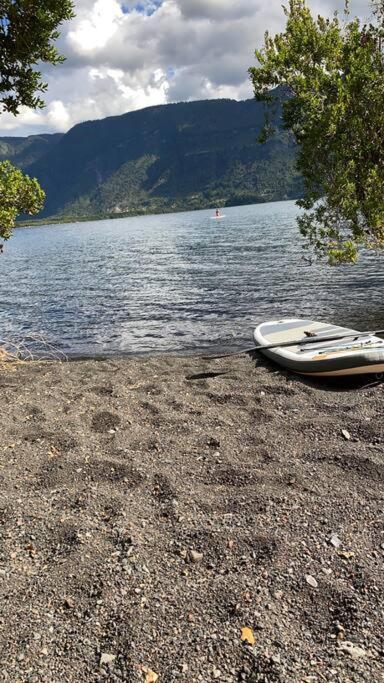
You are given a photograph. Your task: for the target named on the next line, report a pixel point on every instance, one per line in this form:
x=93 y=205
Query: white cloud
x=55 y=117
x=58 y=116
x=93 y=31
x=135 y=53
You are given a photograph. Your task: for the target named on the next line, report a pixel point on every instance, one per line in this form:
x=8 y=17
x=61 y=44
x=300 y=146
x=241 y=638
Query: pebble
x=352 y=650
x=346 y=434
x=216 y=673
x=335 y=541
x=194 y=557
x=311 y=581
x=106 y=658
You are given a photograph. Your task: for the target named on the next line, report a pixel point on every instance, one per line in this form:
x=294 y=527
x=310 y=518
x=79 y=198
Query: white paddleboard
x=358 y=354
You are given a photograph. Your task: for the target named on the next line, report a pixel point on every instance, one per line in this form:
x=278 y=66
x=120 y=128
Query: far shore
x=53 y=220
x=189 y=519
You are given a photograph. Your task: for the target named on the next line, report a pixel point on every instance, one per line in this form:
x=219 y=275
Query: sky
x=123 y=55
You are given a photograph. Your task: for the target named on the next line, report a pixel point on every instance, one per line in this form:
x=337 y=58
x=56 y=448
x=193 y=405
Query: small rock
x=352 y=650
x=311 y=581
x=335 y=541
x=216 y=673
x=278 y=595
x=184 y=668
x=194 y=557
x=150 y=676
x=107 y=658
x=346 y=434
x=69 y=603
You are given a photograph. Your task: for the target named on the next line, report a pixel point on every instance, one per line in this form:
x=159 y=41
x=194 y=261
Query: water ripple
x=176 y=282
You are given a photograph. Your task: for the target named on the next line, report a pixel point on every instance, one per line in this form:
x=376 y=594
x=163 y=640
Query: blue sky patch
x=147 y=7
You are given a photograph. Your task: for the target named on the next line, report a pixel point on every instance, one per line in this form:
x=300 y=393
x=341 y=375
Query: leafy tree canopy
x=333 y=73
x=19 y=194
x=28 y=29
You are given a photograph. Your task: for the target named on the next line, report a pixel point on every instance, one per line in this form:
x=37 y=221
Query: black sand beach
x=152 y=509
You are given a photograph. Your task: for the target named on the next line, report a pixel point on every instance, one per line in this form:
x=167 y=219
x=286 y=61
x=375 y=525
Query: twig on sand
x=34 y=347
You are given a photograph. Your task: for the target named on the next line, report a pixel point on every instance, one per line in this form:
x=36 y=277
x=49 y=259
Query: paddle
x=298 y=342
x=316 y=339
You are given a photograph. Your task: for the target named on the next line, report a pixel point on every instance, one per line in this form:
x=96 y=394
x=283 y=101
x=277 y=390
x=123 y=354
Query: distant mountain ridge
x=25 y=151
x=164 y=158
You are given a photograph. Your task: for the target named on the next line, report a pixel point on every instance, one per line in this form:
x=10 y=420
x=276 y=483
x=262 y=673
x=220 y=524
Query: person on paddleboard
x=217 y=213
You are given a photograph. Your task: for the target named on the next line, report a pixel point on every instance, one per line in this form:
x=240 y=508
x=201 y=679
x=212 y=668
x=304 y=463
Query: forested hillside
x=25 y=151
x=164 y=158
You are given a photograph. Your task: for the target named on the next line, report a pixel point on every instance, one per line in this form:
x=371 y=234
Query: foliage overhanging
x=333 y=72
x=28 y=30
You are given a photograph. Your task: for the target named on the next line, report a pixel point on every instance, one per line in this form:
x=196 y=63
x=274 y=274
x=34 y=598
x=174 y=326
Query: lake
x=176 y=282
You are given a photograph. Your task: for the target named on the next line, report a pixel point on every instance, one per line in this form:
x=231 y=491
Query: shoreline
x=50 y=221
x=153 y=507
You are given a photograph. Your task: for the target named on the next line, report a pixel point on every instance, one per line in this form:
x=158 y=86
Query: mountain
x=164 y=158
x=25 y=151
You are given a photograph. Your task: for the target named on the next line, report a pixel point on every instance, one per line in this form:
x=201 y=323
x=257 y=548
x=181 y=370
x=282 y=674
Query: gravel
x=153 y=509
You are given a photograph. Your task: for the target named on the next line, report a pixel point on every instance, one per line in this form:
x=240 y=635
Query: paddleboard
x=355 y=355
x=217 y=218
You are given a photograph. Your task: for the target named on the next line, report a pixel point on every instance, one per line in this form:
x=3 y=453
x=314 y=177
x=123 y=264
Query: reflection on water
x=175 y=282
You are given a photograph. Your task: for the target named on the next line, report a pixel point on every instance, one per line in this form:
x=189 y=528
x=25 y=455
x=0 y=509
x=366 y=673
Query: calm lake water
x=176 y=282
